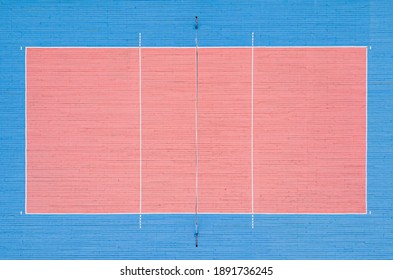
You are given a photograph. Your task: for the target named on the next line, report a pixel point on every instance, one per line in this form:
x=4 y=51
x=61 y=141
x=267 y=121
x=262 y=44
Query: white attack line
x=252 y=129
x=140 y=130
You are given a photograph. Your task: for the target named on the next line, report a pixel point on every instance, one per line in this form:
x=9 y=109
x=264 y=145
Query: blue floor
x=170 y=23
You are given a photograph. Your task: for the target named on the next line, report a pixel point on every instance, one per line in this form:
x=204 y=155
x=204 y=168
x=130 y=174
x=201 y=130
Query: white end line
x=25 y=130
x=367 y=49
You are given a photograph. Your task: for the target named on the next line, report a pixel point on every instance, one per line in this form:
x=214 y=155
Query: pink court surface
x=113 y=130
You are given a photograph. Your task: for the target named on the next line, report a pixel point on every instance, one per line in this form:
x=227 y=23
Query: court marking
x=252 y=129
x=140 y=130
x=25 y=130
x=196 y=134
x=366 y=127
x=206 y=47
x=200 y=213
x=215 y=47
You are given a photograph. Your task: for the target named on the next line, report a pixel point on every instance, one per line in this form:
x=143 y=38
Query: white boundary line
x=201 y=213
x=366 y=126
x=140 y=104
x=25 y=130
x=213 y=47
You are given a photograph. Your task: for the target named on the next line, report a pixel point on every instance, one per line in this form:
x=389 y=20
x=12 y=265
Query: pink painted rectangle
x=310 y=130
x=224 y=130
x=168 y=130
x=82 y=121
x=83 y=130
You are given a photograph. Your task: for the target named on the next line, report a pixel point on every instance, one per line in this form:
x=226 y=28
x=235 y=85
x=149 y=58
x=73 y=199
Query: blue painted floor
x=221 y=23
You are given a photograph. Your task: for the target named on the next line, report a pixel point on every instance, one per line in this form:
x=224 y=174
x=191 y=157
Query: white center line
x=196 y=134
